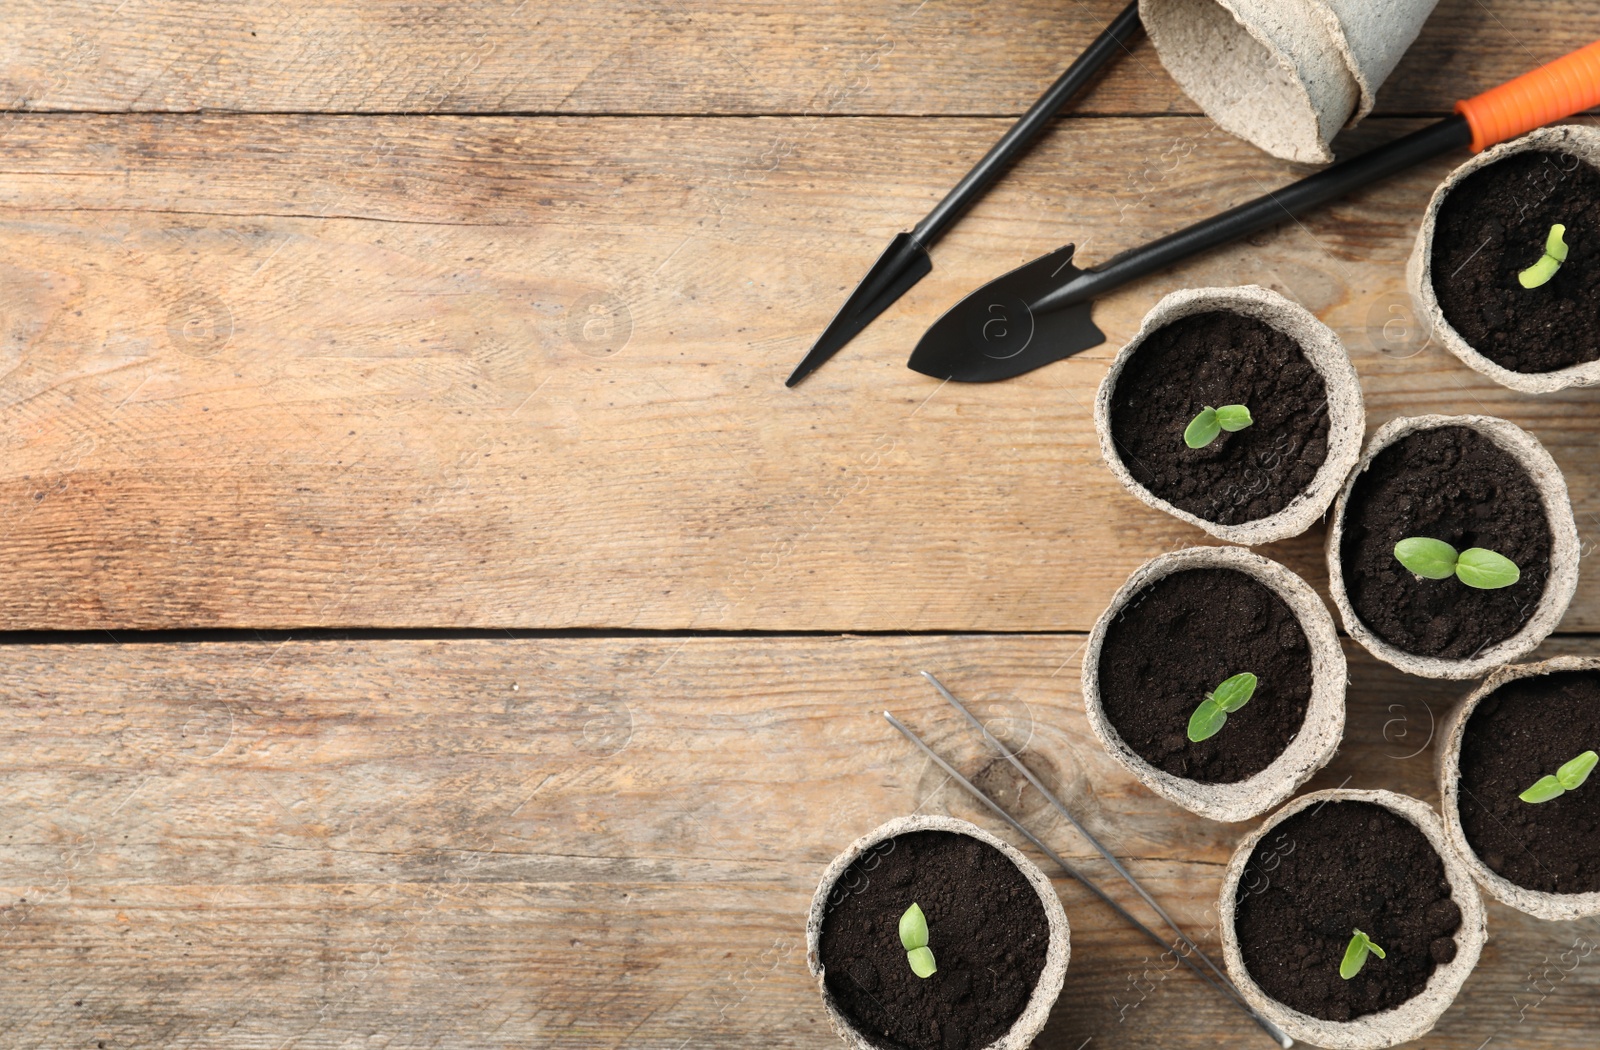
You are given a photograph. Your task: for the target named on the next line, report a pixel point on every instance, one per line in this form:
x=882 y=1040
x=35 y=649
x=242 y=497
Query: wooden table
x=433 y=624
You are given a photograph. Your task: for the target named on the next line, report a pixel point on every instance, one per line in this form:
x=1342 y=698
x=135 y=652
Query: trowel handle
x=1265 y=211
x=1570 y=84
x=1566 y=86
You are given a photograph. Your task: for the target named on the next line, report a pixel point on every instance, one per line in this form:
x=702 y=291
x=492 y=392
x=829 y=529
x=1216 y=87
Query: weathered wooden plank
x=581 y=842
x=278 y=371
x=611 y=56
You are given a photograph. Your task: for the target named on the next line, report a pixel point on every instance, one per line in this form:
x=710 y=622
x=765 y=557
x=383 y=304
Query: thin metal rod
x=1127 y=876
x=1087 y=883
x=1226 y=987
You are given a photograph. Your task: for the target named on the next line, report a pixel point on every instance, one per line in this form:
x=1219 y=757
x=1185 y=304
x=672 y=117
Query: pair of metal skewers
x=1216 y=978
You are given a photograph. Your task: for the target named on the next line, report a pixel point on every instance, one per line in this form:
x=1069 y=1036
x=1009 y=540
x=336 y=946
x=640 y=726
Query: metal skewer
x=1110 y=857
x=1225 y=986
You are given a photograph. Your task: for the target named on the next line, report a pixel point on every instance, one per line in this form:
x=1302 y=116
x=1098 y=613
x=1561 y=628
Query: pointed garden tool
x=906 y=261
x=1040 y=312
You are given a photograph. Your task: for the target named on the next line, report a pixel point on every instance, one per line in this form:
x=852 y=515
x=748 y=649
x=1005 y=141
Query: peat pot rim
x=1576 y=140
x=1564 y=551
x=1414 y=1017
x=1319 y=734
x=1284 y=77
x=1280 y=83
x=1321 y=347
x=1538 y=903
x=1031 y=1021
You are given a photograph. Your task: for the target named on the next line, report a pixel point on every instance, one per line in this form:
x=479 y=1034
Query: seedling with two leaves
x=1204 y=428
x=1437 y=560
x=1569 y=777
x=1355 y=955
x=914 y=938
x=1226 y=698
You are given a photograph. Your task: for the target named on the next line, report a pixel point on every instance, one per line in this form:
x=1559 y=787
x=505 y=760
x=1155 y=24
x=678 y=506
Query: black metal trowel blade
x=994 y=334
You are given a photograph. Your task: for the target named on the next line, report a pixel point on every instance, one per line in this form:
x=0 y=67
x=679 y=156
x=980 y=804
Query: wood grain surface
x=439 y=315
x=297 y=370
x=676 y=56
x=584 y=843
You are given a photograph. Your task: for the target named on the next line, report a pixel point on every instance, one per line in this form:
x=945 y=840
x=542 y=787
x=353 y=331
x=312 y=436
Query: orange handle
x=1570 y=84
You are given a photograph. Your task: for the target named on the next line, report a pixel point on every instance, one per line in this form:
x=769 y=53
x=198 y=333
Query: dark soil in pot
x=1330 y=870
x=986 y=927
x=1456 y=485
x=1177 y=640
x=1519 y=733
x=1221 y=358
x=1491 y=227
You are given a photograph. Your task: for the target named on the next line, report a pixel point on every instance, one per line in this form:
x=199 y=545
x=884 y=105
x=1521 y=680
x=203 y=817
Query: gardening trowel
x=906 y=261
x=1041 y=312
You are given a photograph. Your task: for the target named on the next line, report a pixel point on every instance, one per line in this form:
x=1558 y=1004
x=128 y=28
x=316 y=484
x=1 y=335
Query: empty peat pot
x=995 y=927
x=1283 y=76
x=1489 y=221
x=1184 y=623
x=1471 y=482
x=1212 y=347
x=1324 y=866
x=1521 y=725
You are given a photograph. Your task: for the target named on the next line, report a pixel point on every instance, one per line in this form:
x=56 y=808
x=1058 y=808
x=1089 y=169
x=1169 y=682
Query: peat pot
x=1432 y=477
x=1210 y=347
x=1489 y=220
x=1323 y=867
x=995 y=927
x=1182 y=624
x=1521 y=724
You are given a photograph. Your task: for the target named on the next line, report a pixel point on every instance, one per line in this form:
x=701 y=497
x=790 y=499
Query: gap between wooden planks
x=281 y=371
x=588 y=842
x=708 y=56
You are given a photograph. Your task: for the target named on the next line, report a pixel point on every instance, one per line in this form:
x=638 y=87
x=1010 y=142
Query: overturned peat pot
x=1471 y=482
x=1522 y=724
x=1325 y=867
x=995 y=928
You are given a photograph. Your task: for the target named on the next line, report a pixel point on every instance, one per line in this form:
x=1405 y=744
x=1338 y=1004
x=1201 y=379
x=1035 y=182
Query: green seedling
x=1555 y=253
x=1475 y=566
x=1355 y=955
x=914 y=938
x=1568 y=778
x=1204 y=428
x=1228 y=697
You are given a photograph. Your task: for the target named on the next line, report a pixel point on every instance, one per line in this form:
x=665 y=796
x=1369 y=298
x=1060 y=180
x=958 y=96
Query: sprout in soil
x=914 y=937
x=1475 y=567
x=1219 y=703
x=1568 y=778
x=1204 y=428
x=1555 y=253
x=1355 y=955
